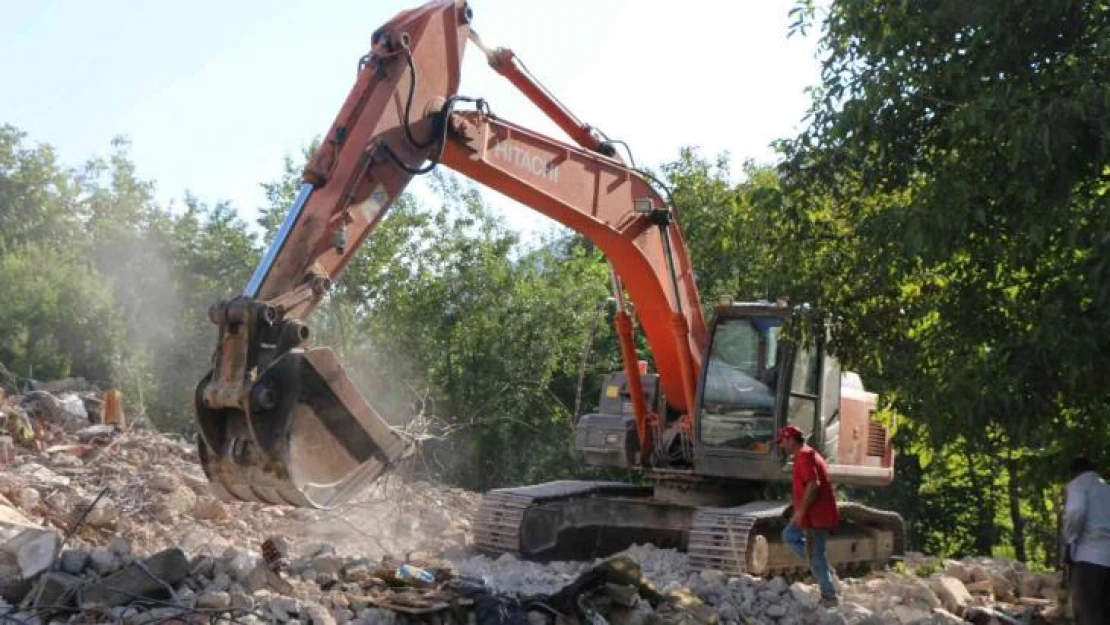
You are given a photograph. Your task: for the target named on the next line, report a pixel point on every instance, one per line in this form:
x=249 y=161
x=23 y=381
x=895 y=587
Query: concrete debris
x=146 y=539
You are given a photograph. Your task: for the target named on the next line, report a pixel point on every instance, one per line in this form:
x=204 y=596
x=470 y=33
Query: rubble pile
x=151 y=489
x=104 y=520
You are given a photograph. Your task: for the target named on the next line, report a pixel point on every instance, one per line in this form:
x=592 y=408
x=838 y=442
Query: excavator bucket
x=308 y=439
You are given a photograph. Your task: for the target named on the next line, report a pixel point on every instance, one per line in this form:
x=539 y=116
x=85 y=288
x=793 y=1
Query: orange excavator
x=280 y=422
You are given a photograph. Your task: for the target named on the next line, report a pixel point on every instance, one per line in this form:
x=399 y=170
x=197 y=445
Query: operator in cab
x=815 y=510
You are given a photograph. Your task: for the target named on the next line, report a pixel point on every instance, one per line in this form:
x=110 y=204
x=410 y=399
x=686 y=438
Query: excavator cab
x=766 y=366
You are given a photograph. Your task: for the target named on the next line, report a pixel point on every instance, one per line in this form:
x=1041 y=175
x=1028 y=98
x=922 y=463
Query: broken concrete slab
x=33 y=549
x=153 y=577
x=953 y=594
x=12 y=521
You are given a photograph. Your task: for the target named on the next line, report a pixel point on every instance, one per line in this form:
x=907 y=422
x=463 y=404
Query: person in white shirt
x=1086 y=535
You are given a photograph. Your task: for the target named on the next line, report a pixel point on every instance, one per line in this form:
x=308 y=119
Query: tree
x=957 y=159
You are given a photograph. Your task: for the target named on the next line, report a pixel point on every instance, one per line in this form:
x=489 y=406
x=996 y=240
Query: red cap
x=790 y=431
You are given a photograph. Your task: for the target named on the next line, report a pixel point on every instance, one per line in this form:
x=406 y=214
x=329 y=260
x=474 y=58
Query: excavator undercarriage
x=579 y=520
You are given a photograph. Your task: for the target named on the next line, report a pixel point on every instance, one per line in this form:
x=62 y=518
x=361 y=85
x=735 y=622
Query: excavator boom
x=281 y=422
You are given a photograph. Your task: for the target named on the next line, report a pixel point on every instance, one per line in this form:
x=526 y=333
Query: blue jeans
x=795 y=539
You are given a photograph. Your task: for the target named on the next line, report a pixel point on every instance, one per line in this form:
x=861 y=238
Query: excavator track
x=748 y=539
x=734 y=540
x=501 y=515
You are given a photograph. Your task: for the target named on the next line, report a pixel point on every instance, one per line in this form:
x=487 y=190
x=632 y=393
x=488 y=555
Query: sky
x=213 y=94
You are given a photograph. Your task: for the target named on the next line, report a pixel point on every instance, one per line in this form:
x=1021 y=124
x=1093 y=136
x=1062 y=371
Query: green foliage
x=957 y=158
x=101 y=282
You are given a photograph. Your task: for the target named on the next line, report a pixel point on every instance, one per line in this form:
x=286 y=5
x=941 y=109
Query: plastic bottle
x=415 y=573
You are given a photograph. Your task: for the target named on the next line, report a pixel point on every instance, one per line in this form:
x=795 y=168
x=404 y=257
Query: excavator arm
x=279 y=421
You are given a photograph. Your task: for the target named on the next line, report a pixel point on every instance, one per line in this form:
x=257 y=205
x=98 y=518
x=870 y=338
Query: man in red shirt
x=815 y=509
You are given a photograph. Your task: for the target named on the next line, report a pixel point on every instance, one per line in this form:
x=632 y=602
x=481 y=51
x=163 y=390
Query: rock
x=56 y=589
x=956 y=569
x=41 y=475
x=120 y=546
x=318 y=615
x=200 y=540
x=833 y=618
x=777 y=585
x=981 y=587
x=805 y=595
x=75 y=409
x=173 y=504
x=166 y=567
x=239 y=563
x=104 y=561
x=282 y=607
x=1003 y=588
x=979 y=573
x=164 y=482
x=68 y=412
x=220 y=583
x=32 y=551
x=906 y=614
x=952 y=594
x=104 y=514
x=214 y=600
x=944 y=617
x=29 y=499
x=74 y=561
x=241 y=601
x=327 y=564
x=94 y=432
x=357 y=573
x=209 y=507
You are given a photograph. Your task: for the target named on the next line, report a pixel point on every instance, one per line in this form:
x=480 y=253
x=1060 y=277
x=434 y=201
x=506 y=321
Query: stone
x=944 y=617
x=104 y=561
x=952 y=593
x=29 y=499
x=220 y=583
x=327 y=564
x=1003 y=588
x=169 y=506
x=32 y=551
x=56 y=589
x=202 y=566
x=906 y=614
x=357 y=573
x=728 y=612
x=120 y=546
x=165 y=567
x=282 y=607
x=164 y=482
x=805 y=595
x=208 y=507
x=74 y=561
x=239 y=563
x=833 y=618
x=777 y=585
x=104 y=514
x=317 y=614
x=214 y=600
x=241 y=601
x=981 y=587
x=979 y=573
